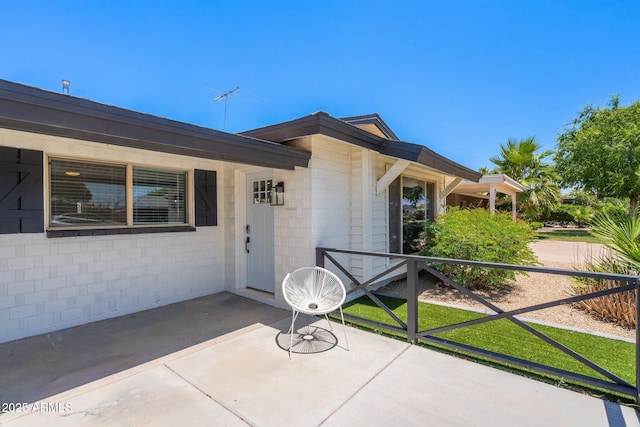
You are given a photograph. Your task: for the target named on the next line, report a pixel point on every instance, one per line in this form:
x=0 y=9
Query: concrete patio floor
x=219 y=360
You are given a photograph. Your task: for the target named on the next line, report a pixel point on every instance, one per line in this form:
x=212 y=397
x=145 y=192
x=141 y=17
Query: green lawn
x=568 y=235
x=507 y=338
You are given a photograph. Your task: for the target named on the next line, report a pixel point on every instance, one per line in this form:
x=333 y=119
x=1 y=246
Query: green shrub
x=582 y=215
x=480 y=236
x=561 y=214
x=536 y=225
x=615 y=209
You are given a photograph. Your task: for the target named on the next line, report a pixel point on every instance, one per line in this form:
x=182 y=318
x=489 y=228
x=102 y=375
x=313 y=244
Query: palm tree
x=620 y=231
x=521 y=160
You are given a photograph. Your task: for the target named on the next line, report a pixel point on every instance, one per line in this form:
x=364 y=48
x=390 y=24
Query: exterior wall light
x=277 y=194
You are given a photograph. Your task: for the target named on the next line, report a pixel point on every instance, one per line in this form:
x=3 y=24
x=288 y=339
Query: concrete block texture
x=50 y=284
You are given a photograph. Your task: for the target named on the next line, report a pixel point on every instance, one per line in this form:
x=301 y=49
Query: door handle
x=246 y=244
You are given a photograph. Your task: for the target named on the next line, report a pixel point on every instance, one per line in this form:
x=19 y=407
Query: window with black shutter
x=21 y=191
x=159 y=196
x=89 y=198
x=87 y=194
x=205 y=198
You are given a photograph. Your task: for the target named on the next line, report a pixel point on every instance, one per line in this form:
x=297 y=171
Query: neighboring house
x=106 y=211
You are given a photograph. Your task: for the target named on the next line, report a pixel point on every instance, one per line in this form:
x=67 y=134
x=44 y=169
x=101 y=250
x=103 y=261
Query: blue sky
x=460 y=77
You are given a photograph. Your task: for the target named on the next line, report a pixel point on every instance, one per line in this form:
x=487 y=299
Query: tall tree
x=523 y=161
x=600 y=152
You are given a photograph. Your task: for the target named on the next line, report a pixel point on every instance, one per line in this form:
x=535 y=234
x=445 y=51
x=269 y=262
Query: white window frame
x=402 y=177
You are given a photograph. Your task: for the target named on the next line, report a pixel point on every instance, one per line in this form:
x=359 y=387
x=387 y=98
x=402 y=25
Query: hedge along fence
x=478 y=235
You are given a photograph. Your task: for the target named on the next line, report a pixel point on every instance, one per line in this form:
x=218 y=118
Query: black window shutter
x=21 y=191
x=205 y=197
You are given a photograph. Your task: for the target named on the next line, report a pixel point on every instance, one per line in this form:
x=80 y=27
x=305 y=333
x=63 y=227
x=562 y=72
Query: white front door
x=259 y=232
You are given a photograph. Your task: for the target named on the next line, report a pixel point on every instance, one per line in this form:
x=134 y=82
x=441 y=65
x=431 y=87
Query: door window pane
x=413 y=215
x=395 y=217
x=411 y=207
x=262 y=191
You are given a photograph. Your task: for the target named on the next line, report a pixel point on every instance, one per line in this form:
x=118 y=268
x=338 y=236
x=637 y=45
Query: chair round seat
x=312 y=290
x=317 y=307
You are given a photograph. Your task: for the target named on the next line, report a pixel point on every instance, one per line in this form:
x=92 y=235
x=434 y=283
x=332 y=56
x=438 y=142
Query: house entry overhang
x=343 y=129
x=29 y=109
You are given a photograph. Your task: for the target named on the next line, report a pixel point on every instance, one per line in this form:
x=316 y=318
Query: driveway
x=554 y=253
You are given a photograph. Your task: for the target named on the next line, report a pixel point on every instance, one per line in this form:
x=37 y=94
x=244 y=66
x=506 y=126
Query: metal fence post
x=320 y=257
x=412 y=301
x=429 y=335
x=637 y=342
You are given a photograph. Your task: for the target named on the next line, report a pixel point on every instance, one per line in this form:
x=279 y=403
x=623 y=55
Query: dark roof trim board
x=371 y=119
x=323 y=123
x=316 y=123
x=29 y=109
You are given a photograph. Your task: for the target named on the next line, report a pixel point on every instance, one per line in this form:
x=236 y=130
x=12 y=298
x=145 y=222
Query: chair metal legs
x=344 y=327
x=294 y=316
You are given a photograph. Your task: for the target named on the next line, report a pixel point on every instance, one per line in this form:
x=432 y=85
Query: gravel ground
x=527 y=290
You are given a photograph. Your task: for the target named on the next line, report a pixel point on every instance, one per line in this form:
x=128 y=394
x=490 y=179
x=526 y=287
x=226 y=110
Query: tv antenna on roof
x=225 y=96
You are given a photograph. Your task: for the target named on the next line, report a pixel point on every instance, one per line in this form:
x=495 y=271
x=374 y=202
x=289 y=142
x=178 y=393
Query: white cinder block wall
x=333 y=203
x=331 y=188
x=360 y=197
x=368 y=213
x=48 y=284
x=226 y=181
x=293 y=246
x=317 y=209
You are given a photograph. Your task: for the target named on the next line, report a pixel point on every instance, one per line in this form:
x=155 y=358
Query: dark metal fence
x=410 y=328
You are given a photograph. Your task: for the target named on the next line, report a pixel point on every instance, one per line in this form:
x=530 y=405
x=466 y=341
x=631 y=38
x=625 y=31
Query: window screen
x=159 y=196
x=85 y=193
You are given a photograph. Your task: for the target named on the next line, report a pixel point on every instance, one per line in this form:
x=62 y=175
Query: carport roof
x=30 y=109
x=502 y=183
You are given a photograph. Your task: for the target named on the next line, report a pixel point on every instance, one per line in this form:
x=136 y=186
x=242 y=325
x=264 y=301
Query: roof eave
x=34 y=110
x=314 y=124
x=323 y=123
x=426 y=157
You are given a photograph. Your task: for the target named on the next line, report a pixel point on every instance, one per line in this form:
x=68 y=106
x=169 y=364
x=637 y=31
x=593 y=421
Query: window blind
x=159 y=196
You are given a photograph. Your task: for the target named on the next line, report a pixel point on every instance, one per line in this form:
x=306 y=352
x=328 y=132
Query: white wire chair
x=314 y=291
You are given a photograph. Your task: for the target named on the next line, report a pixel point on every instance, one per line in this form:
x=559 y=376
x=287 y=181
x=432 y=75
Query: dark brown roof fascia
x=424 y=156
x=323 y=123
x=314 y=124
x=30 y=109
